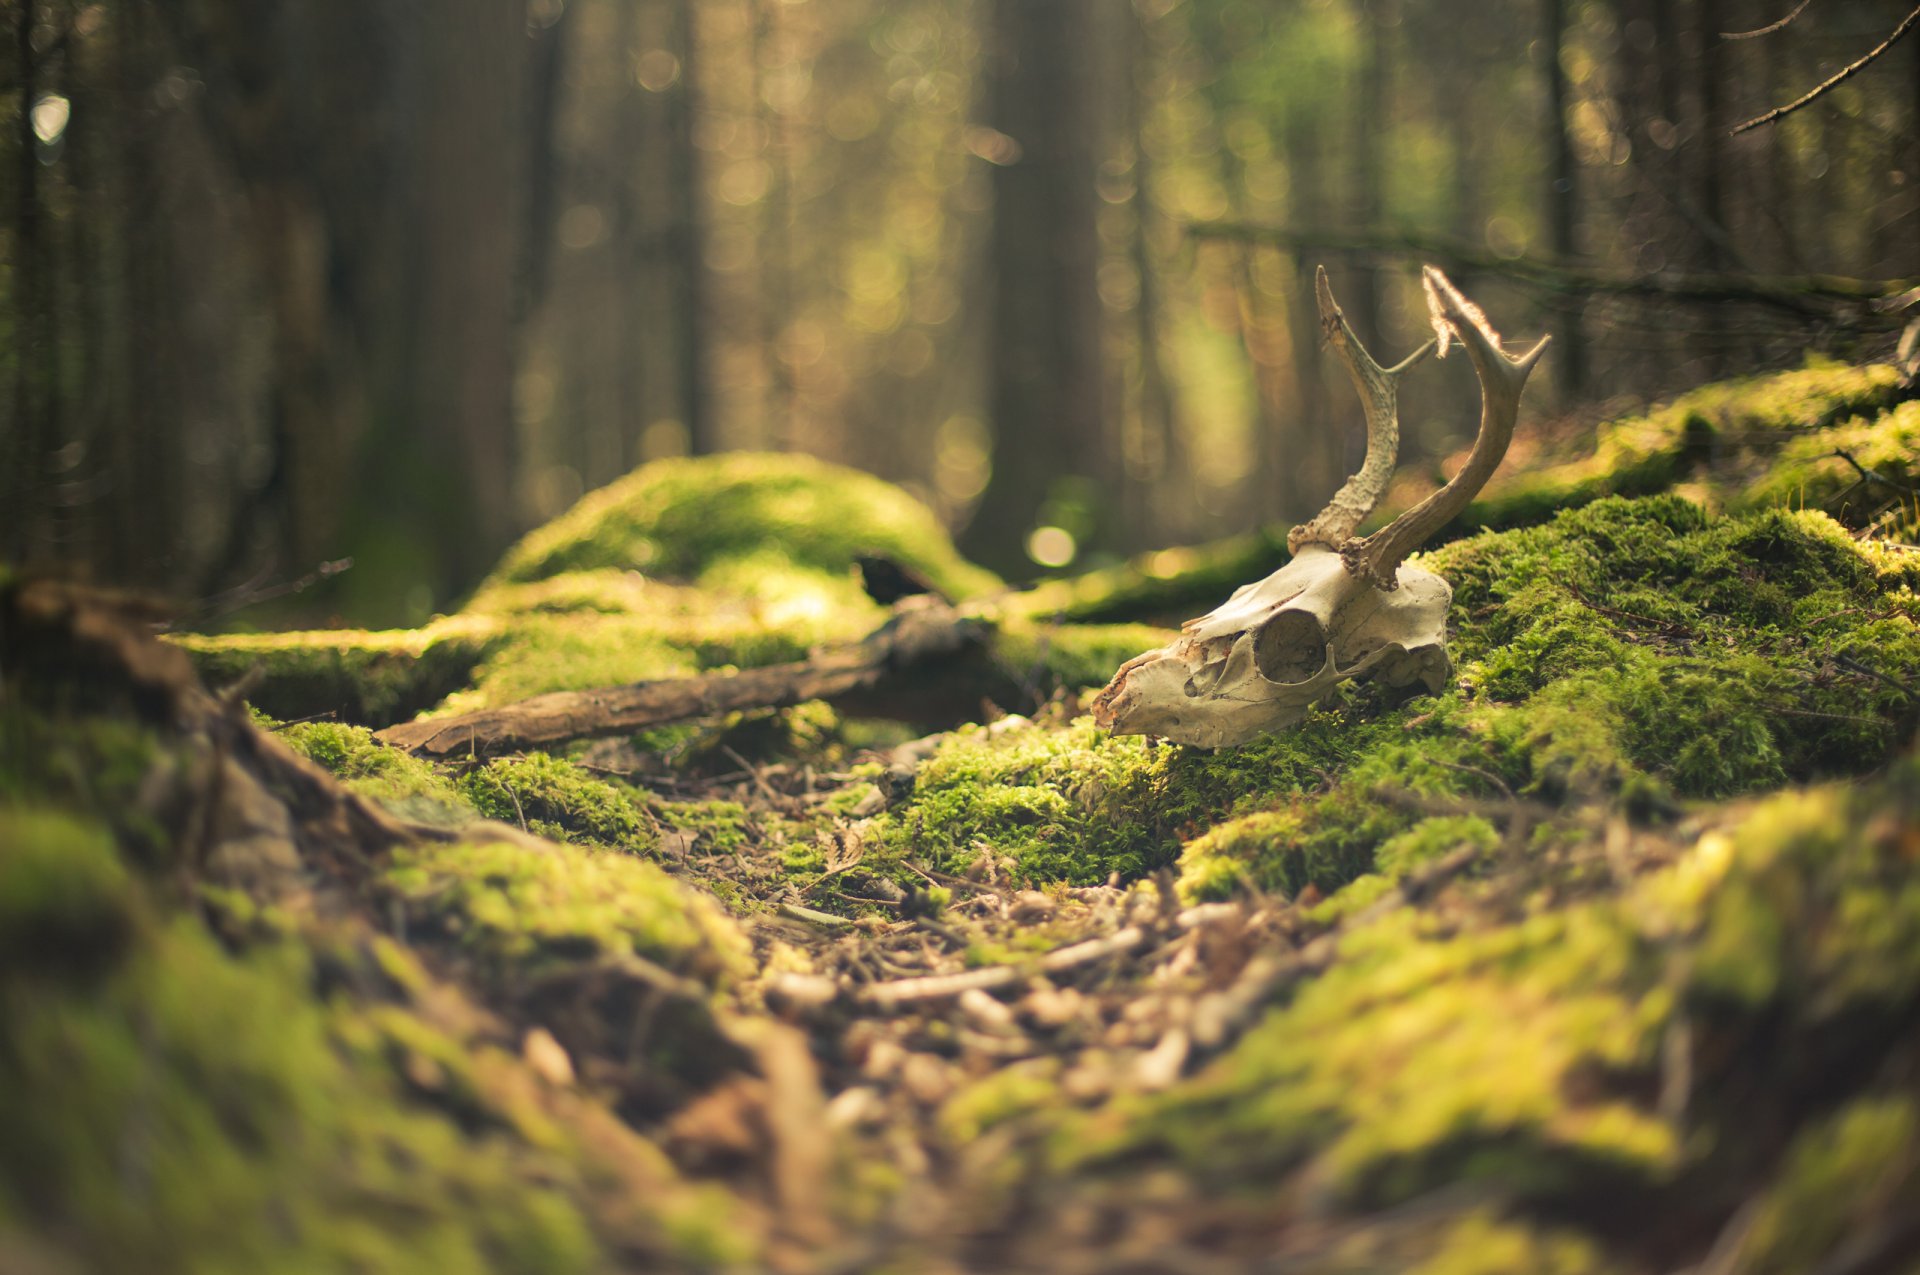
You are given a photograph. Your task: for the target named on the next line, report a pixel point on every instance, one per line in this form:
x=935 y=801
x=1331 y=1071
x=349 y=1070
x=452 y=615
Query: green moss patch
x=726 y=520
x=1524 y=1051
x=1731 y=429
x=368 y=767
x=374 y=679
x=553 y=798
x=513 y=905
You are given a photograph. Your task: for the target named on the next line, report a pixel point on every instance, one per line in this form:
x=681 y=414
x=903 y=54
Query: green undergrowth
x=552 y=798
x=1527 y=1056
x=1729 y=434
x=1636 y=652
x=372 y=678
x=515 y=906
x=199 y=1108
x=402 y=783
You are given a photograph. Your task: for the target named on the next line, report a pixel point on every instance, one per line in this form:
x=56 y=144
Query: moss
x=1077 y=655
x=1432 y=839
x=1838 y=1176
x=518 y=905
x=553 y=798
x=716 y=827
x=1060 y=803
x=1006 y=1094
x=99 y=767
x=1424 y=1058
x=695 y=520
x=374 y=679
x=1738 y=425
x=197 y=1113
x=366 y=766
x=1809 y=474
x=1523 y=1050
x=66 y=901
x=1483 y=1243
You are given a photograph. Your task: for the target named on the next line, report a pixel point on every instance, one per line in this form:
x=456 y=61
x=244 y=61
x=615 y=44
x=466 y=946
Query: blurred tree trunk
x=440 y=467
x=1159 y=455
x=688 y=237
x=383 y=154
x=1046 y=366
x=1563 y=201
x=1369 y=119
x=34 y=389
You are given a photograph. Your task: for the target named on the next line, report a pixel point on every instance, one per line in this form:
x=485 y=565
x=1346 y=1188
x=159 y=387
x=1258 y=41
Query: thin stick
x=1770 y=28
x=1780 y=112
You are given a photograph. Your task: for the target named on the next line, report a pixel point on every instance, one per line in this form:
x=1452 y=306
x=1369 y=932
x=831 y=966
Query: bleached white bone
x=1341 y=608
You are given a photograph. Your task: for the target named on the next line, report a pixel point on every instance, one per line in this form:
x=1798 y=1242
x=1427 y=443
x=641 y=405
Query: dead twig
x=1829 y=85
x=1770 y=28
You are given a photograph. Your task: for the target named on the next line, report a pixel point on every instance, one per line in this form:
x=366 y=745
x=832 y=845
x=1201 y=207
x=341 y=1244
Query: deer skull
x=1342 y=608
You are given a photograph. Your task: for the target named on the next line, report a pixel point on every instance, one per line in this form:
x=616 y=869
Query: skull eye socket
x=1290 y=648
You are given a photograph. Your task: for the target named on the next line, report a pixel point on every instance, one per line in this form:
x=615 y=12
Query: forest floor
x=1606 y=958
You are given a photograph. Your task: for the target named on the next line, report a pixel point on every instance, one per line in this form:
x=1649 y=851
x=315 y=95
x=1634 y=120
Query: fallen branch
x=1812 y=296
x=917 y=991
x=920 y=631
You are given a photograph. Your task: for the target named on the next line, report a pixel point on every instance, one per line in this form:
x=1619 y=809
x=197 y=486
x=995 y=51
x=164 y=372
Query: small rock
x=548 y=1057
x=1159 y=1067
x=884 y=1057
x=926 y=1079
x=801 y=995
x=860 y=1107
x=1031 y=905
x=1052 y=1007
x=985 y=1012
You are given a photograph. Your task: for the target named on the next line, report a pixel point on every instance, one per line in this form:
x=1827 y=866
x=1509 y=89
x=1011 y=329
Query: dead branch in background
x=1812 y=296
x=1770 y=28
x=1846 y=73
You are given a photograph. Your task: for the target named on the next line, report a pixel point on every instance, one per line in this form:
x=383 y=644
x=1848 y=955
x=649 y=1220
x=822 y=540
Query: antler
x=1502 y=377
x=1379 y=390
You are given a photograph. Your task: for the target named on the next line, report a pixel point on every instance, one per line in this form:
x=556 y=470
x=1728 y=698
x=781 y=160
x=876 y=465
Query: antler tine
x=1502 y=376
x=1379 y=390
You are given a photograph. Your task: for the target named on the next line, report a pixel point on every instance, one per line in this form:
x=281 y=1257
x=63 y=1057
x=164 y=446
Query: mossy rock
x=734 y=522
x=683 y=566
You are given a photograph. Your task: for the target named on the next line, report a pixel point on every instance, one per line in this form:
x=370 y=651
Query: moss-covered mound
x=740 y=523
x=1731 y=438
x=229 y=1036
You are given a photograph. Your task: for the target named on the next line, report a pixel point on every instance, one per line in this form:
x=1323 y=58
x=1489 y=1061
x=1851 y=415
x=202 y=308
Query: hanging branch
x=1806 y=296
x=1781 y=112
x=1770 y=28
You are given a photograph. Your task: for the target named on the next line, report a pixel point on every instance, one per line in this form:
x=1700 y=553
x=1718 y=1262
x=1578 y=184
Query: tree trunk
x=1046 y=365
x=1563 y=202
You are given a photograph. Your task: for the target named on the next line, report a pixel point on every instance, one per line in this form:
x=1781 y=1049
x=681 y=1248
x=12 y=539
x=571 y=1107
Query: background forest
x=291 y=284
